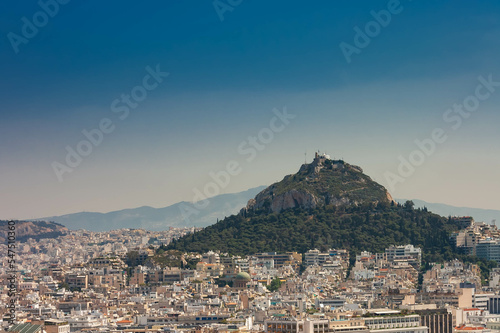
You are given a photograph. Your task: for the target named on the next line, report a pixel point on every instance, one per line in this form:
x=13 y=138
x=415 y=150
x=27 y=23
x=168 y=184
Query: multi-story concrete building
x=462 y=298
x=311 y=257
x=353 y=325
x=292 y=325
x=494 y=280
x=463 y=221
x=409 y=253
x=280 y=259
x=230 y=267
x=494 y=304
x=438 y=320
x=56 y=326
x=329 y=302
x=396 y=324
x=77 y=280
x=166 y=276
x=138 y=276
x=212 y=270
x=211 y=257
x=480 y=300
x=315 y=257
x=488 y=249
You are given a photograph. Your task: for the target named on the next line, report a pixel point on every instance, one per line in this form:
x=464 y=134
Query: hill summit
x=326 y=204
x=322 y=182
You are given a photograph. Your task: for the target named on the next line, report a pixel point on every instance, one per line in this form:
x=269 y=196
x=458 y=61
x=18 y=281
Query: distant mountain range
x=157 y=219
x=223 y=205
x=479 y=215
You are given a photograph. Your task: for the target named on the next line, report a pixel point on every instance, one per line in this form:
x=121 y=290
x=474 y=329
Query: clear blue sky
x=225 y=78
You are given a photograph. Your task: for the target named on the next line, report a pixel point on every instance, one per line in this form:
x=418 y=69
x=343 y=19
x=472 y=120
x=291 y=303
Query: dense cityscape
x=237 y=166
x=115 y=282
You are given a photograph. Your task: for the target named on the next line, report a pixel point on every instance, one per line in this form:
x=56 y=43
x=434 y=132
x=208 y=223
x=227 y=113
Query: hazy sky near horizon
x=225 y=78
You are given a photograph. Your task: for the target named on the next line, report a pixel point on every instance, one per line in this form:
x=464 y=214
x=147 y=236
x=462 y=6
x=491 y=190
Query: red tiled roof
x=469 y=328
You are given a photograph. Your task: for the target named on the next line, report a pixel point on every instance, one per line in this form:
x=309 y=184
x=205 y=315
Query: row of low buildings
x=372 y=321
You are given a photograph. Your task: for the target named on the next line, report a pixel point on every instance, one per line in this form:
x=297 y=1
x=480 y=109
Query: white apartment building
x=403 y=252
x=396 y=324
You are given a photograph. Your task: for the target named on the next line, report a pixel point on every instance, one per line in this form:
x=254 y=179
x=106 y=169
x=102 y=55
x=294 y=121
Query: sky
x=177 y=93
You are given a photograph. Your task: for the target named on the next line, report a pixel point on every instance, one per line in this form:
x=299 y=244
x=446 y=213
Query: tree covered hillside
x=367 y=227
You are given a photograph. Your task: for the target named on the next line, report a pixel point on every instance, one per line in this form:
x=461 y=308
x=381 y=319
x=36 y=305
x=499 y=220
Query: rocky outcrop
x=342 y=201
x=322 y=182
x=293 y=199
x=290 y=199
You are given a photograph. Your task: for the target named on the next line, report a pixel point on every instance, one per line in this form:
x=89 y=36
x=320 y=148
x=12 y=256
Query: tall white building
x=404 y=252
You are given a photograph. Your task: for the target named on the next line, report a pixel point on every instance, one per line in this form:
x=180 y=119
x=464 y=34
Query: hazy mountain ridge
x=220 y=206
x=157 y=219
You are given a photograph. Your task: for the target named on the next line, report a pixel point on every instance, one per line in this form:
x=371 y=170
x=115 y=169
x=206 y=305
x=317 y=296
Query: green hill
x=370 y=227
x=327 y=204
